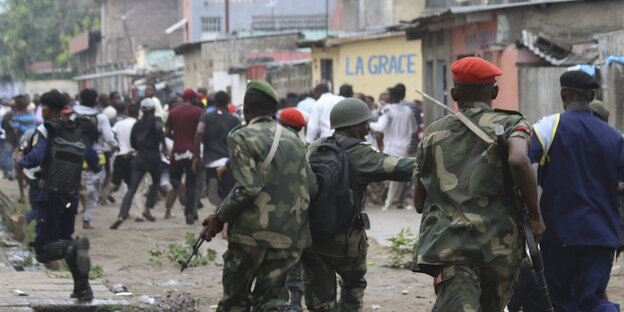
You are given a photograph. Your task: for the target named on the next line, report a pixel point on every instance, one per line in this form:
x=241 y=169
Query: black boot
x=79 y=265
x=295 y=300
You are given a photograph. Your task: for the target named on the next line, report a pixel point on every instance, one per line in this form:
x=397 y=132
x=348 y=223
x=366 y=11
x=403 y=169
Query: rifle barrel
x=436 y=102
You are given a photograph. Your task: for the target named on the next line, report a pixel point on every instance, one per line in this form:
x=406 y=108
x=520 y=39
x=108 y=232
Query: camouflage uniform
x=267 y=214
x=470 y=240
x=345 y=253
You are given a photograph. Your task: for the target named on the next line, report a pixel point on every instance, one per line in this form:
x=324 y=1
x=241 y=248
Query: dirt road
x=124 y=256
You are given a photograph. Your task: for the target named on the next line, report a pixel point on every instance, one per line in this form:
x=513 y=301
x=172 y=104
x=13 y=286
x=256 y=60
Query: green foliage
x=39 y=30
x=402 y=249
x=63 y=272
x=177 y=251
x=96 y=272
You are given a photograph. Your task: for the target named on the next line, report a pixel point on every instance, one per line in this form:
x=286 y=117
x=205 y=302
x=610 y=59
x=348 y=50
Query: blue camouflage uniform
x=581 y=158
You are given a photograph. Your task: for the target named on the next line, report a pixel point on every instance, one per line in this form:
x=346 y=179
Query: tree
x=40 y=30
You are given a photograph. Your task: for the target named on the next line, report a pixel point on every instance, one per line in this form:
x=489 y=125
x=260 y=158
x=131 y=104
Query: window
x=211 y=24
x=288 y=22
x=327 y=70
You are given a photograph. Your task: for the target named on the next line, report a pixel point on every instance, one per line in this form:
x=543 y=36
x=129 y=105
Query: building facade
x=369 y=62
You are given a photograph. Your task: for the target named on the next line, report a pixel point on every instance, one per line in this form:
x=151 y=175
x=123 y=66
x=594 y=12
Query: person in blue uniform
x=580 y=160
x=55 y=214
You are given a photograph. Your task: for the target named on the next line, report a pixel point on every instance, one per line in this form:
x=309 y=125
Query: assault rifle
x=200 y=240
x=534 y=257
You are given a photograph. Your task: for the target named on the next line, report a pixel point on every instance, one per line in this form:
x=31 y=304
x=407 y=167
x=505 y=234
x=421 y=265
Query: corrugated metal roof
x=490 y=7
x=193 y=44
x=336 y=41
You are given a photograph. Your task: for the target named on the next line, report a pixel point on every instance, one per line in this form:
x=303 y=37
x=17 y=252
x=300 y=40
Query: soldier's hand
x=537 y=227
x=212 y=226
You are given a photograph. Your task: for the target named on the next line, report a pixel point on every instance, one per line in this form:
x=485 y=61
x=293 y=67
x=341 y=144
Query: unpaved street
x=124 y=256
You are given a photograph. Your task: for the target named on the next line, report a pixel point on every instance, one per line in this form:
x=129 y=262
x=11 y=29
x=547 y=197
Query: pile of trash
x=19 y=257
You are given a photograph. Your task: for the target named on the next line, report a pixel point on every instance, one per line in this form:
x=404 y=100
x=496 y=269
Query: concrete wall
x=539 y=91
x=436 y=54
x=42 y=86
x=373 y=65
x=128 y=24
x=195 y=72
x=11 y=89
x=202 y=63
x=235 y=83
x=611 y=44
x=561 y=21
x=615 y=100
x=290 y=78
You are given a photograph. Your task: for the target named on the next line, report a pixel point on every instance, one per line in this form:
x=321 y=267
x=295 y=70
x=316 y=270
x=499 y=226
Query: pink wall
x=336 y=17
x=281 y=56
x=473 y=38
x=508 y=82
x=477 y=39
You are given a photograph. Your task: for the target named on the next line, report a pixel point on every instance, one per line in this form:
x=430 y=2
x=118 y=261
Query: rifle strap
x=474 y=128
x=272 y=150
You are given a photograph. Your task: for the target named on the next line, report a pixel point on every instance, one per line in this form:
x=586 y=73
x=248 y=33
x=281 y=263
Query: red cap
x=67 y=110
x=474 y=71
x=189 y=93
x=232 y=108
x=292 y=117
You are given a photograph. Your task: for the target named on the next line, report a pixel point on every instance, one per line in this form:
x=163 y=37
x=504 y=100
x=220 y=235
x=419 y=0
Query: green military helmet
x=349 y=112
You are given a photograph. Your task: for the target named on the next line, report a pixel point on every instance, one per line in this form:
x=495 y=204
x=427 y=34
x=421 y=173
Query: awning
x=175 y=26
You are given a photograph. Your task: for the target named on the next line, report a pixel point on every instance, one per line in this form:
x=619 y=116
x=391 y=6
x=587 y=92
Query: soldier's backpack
x=332 y=209
x=62 y=168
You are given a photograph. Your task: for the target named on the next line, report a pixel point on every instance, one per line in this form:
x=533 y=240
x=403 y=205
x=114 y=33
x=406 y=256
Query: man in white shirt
x=318 y=125
x=122 y=164
x=397 y=125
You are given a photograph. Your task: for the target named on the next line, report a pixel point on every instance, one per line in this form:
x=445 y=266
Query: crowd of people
x=290 y=178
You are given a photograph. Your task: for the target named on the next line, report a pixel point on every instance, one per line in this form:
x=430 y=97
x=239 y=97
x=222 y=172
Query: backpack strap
x=273 y=149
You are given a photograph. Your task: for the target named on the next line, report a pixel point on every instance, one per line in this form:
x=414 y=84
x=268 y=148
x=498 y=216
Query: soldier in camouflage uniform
x=470 y=240
x=345 y=252
x=267 y=212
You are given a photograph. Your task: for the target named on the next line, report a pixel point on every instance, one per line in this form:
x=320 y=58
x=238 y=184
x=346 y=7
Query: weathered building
x=523 y=38
x=209 y=63
x=369 y=61
x=131 y=29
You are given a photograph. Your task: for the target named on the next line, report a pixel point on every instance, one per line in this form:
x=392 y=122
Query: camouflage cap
x=263 y=87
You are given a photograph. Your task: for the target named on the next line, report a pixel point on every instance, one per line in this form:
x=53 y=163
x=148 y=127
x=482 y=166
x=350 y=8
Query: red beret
x=474 y=71
x=292 y=117
x=189 y=93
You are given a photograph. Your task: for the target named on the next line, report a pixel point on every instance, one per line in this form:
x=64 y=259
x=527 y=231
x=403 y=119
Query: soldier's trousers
x=473 y=288
x=319 y=277
x=268 y=267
